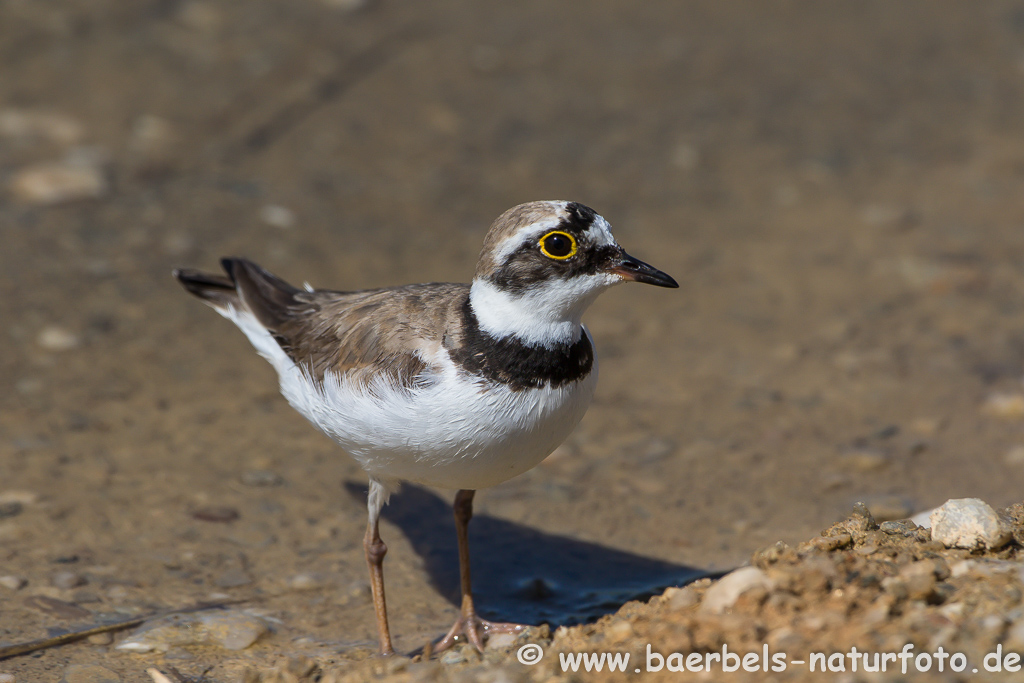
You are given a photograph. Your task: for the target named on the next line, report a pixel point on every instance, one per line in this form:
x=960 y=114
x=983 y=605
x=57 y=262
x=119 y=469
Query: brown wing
x=354 y=334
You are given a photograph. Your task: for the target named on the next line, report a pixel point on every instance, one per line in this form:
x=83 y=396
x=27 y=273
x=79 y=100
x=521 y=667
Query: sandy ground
x=836 y=186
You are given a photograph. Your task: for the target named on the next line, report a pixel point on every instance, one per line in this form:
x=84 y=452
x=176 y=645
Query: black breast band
x=521 y=366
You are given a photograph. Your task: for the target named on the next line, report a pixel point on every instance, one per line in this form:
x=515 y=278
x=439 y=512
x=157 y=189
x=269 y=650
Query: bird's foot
x=471 y=628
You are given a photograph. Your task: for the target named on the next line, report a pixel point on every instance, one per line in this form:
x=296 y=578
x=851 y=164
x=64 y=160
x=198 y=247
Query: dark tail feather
x=216 y=290
x=272 y=300
x=246 y=287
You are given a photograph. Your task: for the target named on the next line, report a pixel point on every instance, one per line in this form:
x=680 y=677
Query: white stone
x=13 y=582
x=680 y=598
x=19 y=496
x=158 y=676
x=969 y=523
x=724 y=593
x=151 y=135
x=277 y=216
x=304 y=582
x=230 y=629
x=1015 y=456
x=53 y=338
x=500 y=641
x=1004 y=405
x=59 y=182
x=40 y=125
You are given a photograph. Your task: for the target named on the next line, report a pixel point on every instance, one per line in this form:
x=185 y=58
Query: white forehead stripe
x=599 y=234
x=516 y=239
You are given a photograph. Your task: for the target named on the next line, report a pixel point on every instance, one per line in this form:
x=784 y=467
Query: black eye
x=558 y=245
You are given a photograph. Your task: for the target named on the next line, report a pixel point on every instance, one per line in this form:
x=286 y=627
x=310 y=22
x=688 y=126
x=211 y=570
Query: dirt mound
x=861 y=598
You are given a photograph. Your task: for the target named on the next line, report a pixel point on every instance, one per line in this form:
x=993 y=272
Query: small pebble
x=261 y=478
x=232 y=578
x=681 y=598
x=619 y=631
x=983 y=568
x=29 y=385
x=969 y=523
x=724 y=593
x=303 y=667
x=304 y=582
x=49 y=183
x=215 y=513
x=898 y=528
x=13 y=582
x=1006 y=406
x=152 y=144
x=829 y=543
x=15 y=496
x=117 y=593
x=925 y=426
x=67 y=580
x=230 y=629
x=58 y=608
x=7 y=678
x=101 y=638
x=57 y=339
x=84 y=597
x=879 y=610
x=1015 y=456
x=40 y=125
x=919 y=579
x=500 y=641
x=277 y=216
x=864 y=461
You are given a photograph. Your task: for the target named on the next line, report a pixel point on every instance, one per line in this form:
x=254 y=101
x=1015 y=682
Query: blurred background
x=838 y=187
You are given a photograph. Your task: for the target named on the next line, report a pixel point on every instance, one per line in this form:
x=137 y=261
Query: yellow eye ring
x=553 y=245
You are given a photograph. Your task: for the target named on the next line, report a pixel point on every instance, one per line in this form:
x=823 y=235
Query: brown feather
x=355 y=335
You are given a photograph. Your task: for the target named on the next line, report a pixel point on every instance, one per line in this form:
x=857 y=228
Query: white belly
x=451 y=432
x=454 y=432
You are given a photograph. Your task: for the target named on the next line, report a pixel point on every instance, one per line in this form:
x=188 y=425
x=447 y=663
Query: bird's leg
x=469 y=625
x=375 y=552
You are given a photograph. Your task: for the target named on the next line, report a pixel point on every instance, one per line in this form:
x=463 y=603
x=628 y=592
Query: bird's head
x=543 y=264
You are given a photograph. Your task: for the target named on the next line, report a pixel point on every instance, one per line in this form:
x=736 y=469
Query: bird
x=458 y=386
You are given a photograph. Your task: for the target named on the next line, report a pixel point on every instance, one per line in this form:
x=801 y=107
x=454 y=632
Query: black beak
x=636 y=270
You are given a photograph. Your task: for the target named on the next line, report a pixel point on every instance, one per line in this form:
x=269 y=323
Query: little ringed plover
x=460 y=386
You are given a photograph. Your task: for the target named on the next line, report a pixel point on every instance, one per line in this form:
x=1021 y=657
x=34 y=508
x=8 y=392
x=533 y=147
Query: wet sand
x=837 y=188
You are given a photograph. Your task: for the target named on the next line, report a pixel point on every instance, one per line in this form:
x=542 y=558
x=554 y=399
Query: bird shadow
x=524 y=575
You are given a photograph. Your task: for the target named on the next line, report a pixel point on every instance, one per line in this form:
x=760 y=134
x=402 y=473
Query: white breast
x=450 y=430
